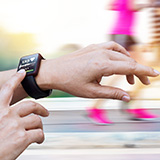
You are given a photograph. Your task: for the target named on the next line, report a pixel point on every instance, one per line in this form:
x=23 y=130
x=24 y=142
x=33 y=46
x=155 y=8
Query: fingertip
x=22 y=72
x=126 y=98
x=131 y=83
x=46 y=114
x=156 y=72
x=128 y=54
x=130 y=79
x=148 y=82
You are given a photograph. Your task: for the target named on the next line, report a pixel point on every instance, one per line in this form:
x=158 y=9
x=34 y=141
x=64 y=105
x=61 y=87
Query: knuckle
x=112 y=43
x=8 y=86
x=150 y=69
x=33 y=106
x=21 y=136
x=132 y=65
x=104 y=52
x=105 y=67
x=117 y=94
x=102 y=63
x=37 y=119
x=97 y=65
x=92 y=93
x=5 y=114
x=106 y=64
x=93 y=46
x=31 y=103
x=102 y=66
x=15 y=124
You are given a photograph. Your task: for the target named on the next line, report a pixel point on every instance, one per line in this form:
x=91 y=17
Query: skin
x=137 y=7
x=133 y=49
x=134 y=5
x=18 y=129
x=80 y=73
x=150 y=4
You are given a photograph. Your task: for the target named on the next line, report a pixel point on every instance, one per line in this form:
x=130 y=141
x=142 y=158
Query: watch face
x=30 y=64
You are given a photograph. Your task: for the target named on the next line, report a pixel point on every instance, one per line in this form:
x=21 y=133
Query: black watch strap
x=32 y=89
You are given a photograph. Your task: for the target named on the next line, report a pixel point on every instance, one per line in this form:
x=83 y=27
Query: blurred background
x=54 y=28
x=58 y=27
x=29 y=26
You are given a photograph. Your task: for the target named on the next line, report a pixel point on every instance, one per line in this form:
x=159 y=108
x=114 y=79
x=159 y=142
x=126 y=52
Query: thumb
x=111 y=93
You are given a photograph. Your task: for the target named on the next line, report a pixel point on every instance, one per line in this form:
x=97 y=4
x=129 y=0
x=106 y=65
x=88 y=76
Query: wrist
x=31 y=63
x=46 y=78
x=41 y=78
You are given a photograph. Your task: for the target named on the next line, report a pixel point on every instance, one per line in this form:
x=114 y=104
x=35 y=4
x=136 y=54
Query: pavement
x=69 y=134
x=92 y=154
x=67 y=127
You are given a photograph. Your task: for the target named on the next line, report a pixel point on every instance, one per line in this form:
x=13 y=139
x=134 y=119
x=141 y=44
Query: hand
x=155 y=4
x=80 y=73
x=18 y=128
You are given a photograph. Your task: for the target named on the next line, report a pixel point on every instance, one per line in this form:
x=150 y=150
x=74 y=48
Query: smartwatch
x=31 y=64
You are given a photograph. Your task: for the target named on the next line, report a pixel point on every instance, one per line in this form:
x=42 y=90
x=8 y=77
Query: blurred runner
x=123 y=33
x=155 y=30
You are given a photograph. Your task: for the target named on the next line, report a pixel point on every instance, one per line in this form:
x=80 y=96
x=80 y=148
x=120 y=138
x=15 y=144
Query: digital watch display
x=31 y=64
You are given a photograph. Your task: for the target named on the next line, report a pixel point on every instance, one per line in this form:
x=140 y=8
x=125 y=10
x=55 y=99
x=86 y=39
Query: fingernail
x=47 y=113
x=157 y=72
x=128 y=53
x=21 y=71
x=126 y=98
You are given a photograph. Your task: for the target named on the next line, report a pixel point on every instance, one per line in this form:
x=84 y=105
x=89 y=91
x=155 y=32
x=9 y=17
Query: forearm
x=43 y=80
x=141 y=6
x=80 y=73
x=136 y=7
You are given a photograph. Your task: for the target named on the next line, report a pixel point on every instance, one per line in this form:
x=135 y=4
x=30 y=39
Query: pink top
x=124 y=23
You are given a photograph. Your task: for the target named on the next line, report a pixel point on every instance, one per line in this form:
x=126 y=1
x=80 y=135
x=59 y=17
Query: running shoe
x=141 y=114
x=98 y=116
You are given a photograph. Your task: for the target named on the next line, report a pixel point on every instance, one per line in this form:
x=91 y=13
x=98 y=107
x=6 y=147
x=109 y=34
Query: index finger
x=114 y=47
x=8 y=88
x=131 y=68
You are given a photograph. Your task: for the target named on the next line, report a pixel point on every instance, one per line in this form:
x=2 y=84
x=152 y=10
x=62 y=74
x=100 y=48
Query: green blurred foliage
x=58 y=94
